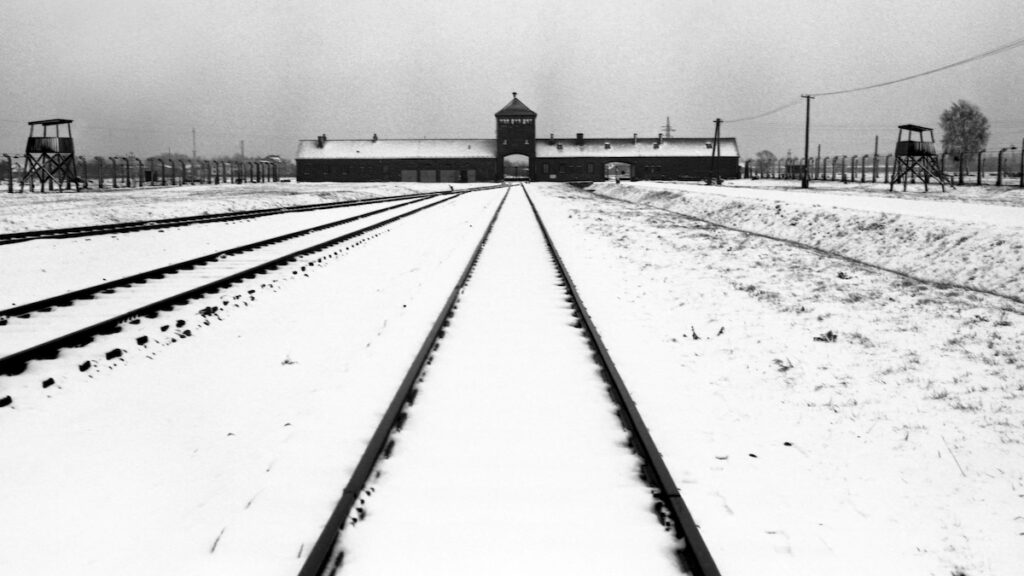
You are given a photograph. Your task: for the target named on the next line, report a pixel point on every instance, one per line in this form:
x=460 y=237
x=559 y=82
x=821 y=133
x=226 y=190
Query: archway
x=618 y=171
x=516 y=167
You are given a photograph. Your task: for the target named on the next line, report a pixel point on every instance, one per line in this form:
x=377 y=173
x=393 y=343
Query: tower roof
x=49 y=122
x=516 y=108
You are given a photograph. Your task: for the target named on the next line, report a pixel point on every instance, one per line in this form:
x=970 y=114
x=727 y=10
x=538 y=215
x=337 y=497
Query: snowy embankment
x=43 y=211
x=972 y=245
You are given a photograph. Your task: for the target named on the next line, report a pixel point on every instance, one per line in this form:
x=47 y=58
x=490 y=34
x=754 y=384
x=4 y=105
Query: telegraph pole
x=193 y=146
x=807 y=140
x=715 y=152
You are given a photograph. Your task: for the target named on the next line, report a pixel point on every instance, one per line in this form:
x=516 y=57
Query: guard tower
x=50 y=157
x=917 y=158
x=517 y=132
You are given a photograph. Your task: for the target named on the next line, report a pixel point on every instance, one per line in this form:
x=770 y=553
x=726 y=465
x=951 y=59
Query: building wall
x=396 y=170
x=663 y=168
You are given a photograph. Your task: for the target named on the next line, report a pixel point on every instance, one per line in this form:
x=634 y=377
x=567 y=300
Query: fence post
x=10 y=173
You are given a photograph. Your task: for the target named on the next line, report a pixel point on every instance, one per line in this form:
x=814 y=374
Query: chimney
x=607 y=145
x=634 y=138
x=551 y=139
x=579 y=138
x=374 y=136
x=660 y=138
x=320 y=140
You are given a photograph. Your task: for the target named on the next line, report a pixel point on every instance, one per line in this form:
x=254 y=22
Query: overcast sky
x=137 y=75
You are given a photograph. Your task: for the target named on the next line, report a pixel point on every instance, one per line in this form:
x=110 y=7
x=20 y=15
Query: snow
x=41 y=268
x=624 y=148
x=21 y=333
x=960 y=243
x=511 y=460
x=398 y=148
x=223 y=451
x=933 y=207
x=897 y=448
x=43 y=211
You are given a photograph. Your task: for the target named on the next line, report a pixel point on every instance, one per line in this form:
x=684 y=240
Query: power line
x=994 y=51
x=1005 y=47
x=762 y=115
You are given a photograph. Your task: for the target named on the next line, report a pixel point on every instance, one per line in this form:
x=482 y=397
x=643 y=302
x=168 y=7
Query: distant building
x=514 y=154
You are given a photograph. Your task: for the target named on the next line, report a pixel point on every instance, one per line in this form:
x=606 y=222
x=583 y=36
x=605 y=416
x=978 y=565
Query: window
x=590 y=168
x=527 y=141
x=504 y=142
x=544 y=168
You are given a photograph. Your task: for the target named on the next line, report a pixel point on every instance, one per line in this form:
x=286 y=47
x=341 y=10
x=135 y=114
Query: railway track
x=78 y=231
x=513 y=376
x=38 y=330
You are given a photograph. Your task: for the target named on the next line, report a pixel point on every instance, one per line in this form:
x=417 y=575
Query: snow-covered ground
x=894 y=446
x=512 y=460
x=964 y=243
x=221 y=445
x=42 y=211
x=820 y=416
x=50 y=267
x=1010 y=194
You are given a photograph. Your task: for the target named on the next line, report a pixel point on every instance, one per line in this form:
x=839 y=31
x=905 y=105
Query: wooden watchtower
x=917 y=158
x=50 y=158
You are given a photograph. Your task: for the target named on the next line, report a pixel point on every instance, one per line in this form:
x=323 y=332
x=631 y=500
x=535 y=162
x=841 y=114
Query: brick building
x=515 y=153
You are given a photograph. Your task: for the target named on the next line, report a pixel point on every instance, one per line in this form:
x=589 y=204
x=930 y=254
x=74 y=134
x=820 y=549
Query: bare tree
x=764 y=160
x=964 y=129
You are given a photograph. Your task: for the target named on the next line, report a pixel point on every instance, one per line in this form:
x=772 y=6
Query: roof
x=915 y=128
x=624 y=147
x=516 y=108
x=49 y=122
x=388 y=149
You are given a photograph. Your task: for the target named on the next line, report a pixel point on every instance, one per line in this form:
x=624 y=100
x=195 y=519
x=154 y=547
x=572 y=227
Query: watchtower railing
x=49 y=144
x=911 y=148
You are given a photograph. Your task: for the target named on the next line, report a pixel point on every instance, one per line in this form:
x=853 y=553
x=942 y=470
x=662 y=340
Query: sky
x=137 y=76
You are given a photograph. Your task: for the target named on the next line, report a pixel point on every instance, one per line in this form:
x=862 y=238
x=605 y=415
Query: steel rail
x=319 y=558
x=14 y=363
x=69 y=297
x=93 y=230
x=695 y=555
x=122 y=227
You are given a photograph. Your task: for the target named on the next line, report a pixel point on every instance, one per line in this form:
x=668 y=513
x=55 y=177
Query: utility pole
x=715 y=152
x=807 y=140
x=667 y=128
x=193 y=146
